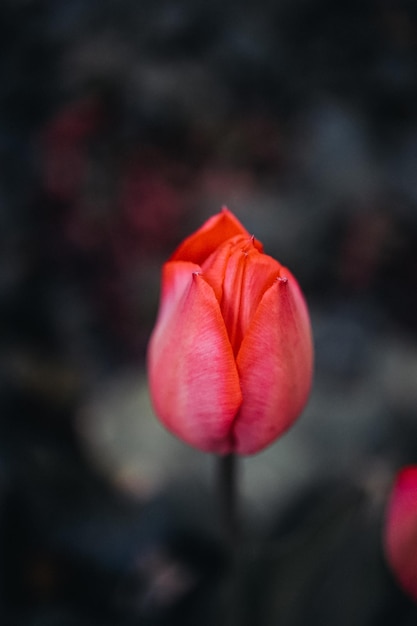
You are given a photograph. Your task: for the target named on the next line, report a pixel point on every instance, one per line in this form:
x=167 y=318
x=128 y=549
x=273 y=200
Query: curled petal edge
x=217 y=230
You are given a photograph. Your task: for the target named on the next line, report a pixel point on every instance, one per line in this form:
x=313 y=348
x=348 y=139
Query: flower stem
x=230 y=526
x=228 y=497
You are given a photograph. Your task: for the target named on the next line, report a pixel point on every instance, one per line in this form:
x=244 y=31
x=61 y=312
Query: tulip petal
x=197 y=247
x=192 y=372
x=248 y=275
x=274 y=365
x=215 y=267
x=175 y=282
x=401 y=529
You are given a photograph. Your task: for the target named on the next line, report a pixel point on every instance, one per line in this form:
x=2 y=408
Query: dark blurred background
x=123 y=125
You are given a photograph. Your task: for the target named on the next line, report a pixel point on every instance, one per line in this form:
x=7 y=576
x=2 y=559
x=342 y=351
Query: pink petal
x=218 y=229
x=192 y=372
x=401 y=529
x=214 y=267
x=275 y=366
x=248 y=275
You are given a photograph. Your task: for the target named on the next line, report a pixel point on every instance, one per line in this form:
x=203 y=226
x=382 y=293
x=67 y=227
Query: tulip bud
x=400 y=532
x=230 y=358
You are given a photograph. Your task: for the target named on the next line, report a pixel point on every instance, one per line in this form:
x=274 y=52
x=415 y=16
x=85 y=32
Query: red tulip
x=401 y=530
x=230 y=358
